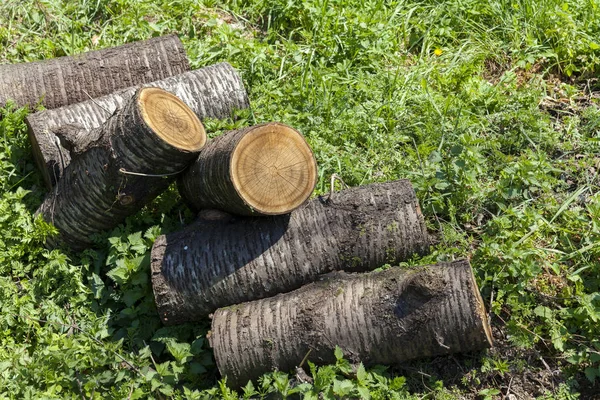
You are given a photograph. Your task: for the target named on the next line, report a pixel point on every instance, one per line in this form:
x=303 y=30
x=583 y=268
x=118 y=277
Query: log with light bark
x=385 y=317
x=218 y=262
x=212 y=92
x=66 y=80
x=267 y=169
x=135 y=157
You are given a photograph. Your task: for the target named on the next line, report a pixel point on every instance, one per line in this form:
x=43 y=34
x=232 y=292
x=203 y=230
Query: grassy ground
x=491 y=108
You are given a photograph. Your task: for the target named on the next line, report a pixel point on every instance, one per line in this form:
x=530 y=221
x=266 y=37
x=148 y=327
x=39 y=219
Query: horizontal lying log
x=66 y=80
x=385 y=317
x=216 y=263
x=212 y=92
x=135 y=157
x=266 y=169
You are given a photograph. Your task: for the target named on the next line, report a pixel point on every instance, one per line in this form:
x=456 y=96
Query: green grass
x=490 y=108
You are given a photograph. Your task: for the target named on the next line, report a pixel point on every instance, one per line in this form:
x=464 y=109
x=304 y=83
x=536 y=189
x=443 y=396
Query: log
x=219 y=262
x=136 y=155
x=385 y=317
x=267 y=169
x=66 y=80
x=211 y=92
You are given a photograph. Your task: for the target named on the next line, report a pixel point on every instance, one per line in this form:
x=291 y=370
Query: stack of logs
x=122 y=124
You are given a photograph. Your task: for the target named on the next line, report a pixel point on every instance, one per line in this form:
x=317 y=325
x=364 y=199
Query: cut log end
x=273 y=169
x=171 y=119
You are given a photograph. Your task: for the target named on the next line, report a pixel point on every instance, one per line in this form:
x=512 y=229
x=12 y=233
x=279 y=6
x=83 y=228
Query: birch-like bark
x=62 y=81
x=211 y=92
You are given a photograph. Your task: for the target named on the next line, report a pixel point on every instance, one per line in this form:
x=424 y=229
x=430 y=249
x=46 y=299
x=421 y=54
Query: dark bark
x=267 y=169
x=385 y=317
x=75 y=139
x=213 y=264
x=211 y=92
x=98 y=190
x=66 y=80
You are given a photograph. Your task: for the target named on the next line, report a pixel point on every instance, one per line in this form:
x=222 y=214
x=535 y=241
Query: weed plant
x=489 y=107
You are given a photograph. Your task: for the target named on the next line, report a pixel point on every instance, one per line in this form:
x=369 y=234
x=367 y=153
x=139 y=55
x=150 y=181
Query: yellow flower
x=438 y=52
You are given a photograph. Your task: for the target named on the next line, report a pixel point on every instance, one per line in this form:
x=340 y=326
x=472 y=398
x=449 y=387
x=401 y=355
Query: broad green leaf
x=363 y=392
x=591 y=373
x=361 y=373
x=180 y=351
x=339 y=354
x=342 y=388
x=543 y=311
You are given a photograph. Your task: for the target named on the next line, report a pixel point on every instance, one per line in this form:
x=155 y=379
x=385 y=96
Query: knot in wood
x=125 y=199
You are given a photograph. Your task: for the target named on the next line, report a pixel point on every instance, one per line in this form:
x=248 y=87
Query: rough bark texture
x=382 y=317
x=66 y=80
x=217 y=263
x=98 y=190
x=214 y=92
x=266 y=169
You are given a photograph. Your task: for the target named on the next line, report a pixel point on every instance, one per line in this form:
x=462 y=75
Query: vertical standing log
x=66 y=80
x=211 y=92
x=382 y=317
x=213 y=264
x=267 y=169
x=138 y=152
